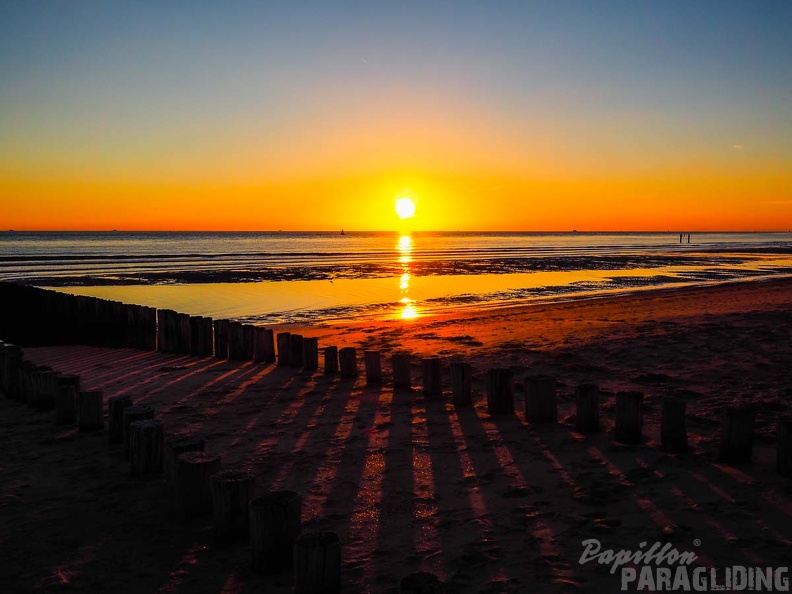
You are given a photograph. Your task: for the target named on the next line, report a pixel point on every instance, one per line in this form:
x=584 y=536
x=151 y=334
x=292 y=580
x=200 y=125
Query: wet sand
x=490 y=504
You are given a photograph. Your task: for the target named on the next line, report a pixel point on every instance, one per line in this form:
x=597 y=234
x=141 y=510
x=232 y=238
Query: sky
x=236 y=115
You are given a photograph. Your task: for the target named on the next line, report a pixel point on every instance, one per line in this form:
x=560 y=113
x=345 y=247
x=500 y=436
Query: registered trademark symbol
x=696 y=542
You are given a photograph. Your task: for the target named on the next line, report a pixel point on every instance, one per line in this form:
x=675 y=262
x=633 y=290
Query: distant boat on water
x=342 y=232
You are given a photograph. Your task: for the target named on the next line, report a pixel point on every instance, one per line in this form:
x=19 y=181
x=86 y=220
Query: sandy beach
x=409 y=482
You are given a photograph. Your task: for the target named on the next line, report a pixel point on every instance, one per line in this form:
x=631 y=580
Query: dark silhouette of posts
x=249 y=339
x=432 y=376
x=317 y=563
x=784 y=446
x=348 y=359
x=500 y=392
x=629 y=417
x=66 y=405
x=587 y=404
x=284 y=348
x=540 y=399
x=265 y=345
x=89 y=410
x=461 y=375
x=311 y=353
x=373 y=364
x=145 y=447
x=174 y=447
x=130 y=414
x=296 y=350
x=232 y=491
x=221 y=339
x=193 y=482
x=115 y=417
x=673 y=431
x=275 y=525
x=331 y=360
x=737 y=434
x=401 y=371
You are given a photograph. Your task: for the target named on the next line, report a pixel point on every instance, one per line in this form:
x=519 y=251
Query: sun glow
x=405 y=208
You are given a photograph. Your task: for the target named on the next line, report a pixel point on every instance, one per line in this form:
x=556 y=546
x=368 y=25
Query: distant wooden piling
x=174 y=447
x=296 y=350
x=249 y=338
x=331 y=360
x=432 y=376
x=673 y=432
x=130 y=414
x=237 y=351
x=284 y=348
x=221 y=339
x=500 y=392
x=373 y=364
x=232 y=491
x=145 y=447
x=115 y=417
x=193 y=482
x=628 y=428
x=401 y=371
x=311 y=353
x=784 y=446
x=45 y=388
x=265 y=345
x=347 y=356
x=89 y=410
x=461 y=376
x=540 y=399
x=737 y=434
x=588 y=409
x=275 y=523
x=196 y=335
x=185 y=334
x=317 y=563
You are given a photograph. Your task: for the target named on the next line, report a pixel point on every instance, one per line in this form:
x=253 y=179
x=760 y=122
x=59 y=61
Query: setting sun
x=405 y=208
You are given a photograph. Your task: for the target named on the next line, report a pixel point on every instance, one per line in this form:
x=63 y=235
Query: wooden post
x=540 y=400
x=784 y=446
x=193 y=485
x=89 y=411
x=46 y=386
x=196 y=338
x=317 y=563
x=207 y=337
x=185 y=336
x=421 y=583
x=587 y=403
x=145 y=447
x=737 y=434
x=284 y=348
x=66 y=405
x=401 y=371
x=461 y=374
x=265 y=345
x=500 y=392
x=629 y=417
x=348 y=359
x=162 y=336
x=130 y=414
x=673 y=433
x=115 y=417
x=432 y=376
x=311 y=353
x=236 y=336
x=296 y=350
x=232 y=491
x=331 y=360
x=275 y=523
x=249 y=336
x=176 y=446
x=221 y=339
x=373 y=363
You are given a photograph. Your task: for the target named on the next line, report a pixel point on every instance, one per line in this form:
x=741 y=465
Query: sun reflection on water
x=404 y=247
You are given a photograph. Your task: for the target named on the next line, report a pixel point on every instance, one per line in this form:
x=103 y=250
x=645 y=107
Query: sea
x=324 y=277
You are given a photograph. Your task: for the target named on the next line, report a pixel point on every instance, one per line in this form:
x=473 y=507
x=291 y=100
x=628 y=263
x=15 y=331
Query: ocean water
x=302 y=277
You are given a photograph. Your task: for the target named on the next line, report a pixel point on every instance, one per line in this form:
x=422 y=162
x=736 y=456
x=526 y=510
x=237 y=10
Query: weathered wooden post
x=174 y=447
x=130 y=414
x=221 y=339
x=275 y=523
x=115 y=417
x=421 y=583
x=145 y=447
x=207 y=337
x=737 y=434
x=540 y=400
x=196 y=338
x=185 y=336
x=432 y=376
x=45 y=387
x=249 y=332
x=162 y=334
x=311 y=353
x=66 y=405
x=317 y=563
x=401 y=371
x=673 y=433
x=265 y=345
x=236 y=335
x=784 y=446
x=500 y=392
x=629 y=417
x=373 y=364
x=89 y=411
x=284 y=348
x=232 y=491
x=193 y=485
x=331 y=360
x=461 y=375
x=587 y=403
x=296 y=350
x=348 y=359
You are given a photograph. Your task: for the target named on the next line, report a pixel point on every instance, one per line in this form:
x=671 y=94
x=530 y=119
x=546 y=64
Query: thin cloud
x=738 y=146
